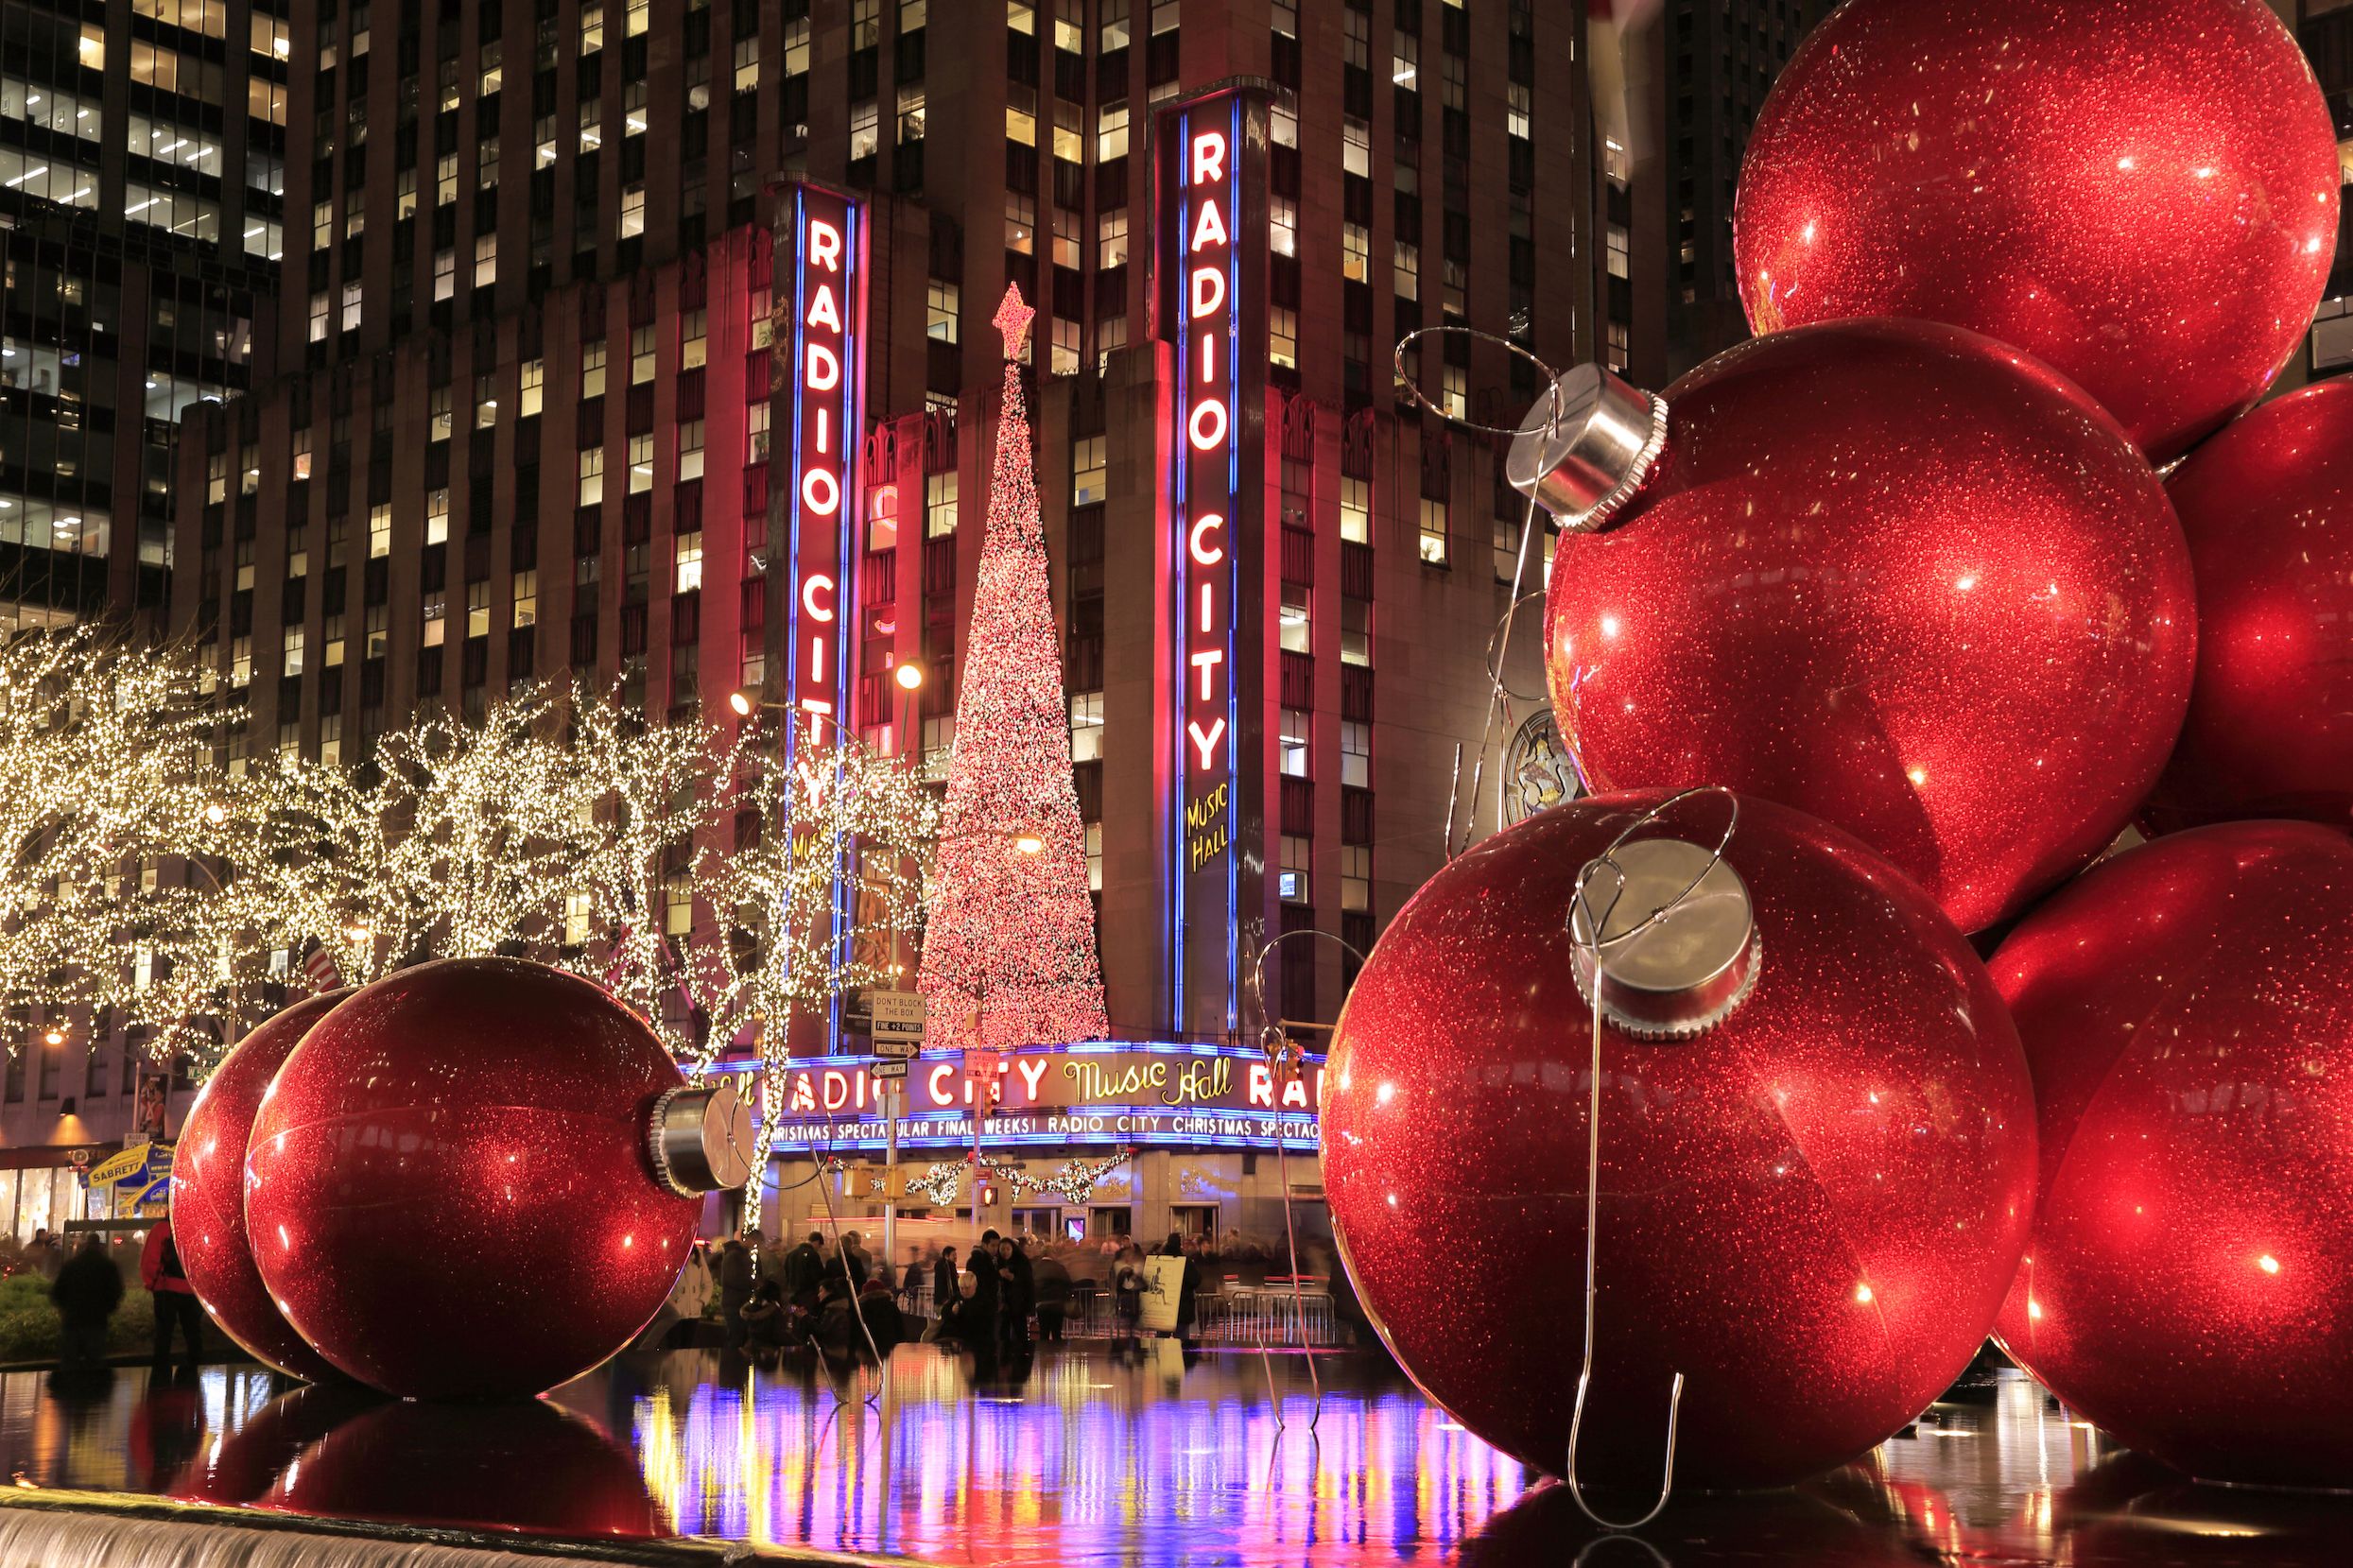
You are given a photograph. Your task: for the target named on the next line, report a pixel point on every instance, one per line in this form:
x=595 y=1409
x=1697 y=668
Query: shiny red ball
x=1810 y=1211
x=2188 y=1011
x=449 y=1185
x=208 y=1193
x=2141 y=193
x=1899 y=577
x=2268 y=507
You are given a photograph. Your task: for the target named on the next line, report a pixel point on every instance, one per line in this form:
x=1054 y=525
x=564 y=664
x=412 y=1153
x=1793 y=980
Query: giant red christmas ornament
x=2268 y=507
x=2188 y=1012
x=2143 y=193
x=1809 y=1203
x=1886 y=572
x=473 y=1179
x=208 y=1193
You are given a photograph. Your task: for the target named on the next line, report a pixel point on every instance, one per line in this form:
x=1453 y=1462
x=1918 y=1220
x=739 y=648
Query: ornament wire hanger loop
x=1414 y=393
x=1274 y=1038
x=1597 y=926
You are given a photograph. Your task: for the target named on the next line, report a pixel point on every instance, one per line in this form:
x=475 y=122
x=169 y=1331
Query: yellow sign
x=118 y=1166
x=875 y=1182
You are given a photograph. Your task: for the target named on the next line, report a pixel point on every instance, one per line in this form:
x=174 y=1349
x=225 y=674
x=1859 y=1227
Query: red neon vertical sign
x=825 y=380
x=1210 y=286
x=1209 y=340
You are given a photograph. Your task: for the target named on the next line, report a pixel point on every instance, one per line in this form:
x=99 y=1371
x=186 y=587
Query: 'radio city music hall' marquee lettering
x=824 y=383
x=1088 y=1080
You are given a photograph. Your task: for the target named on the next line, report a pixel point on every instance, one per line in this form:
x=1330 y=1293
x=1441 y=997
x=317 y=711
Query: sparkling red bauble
x=2188 y=1011
x=525 y=1468
x=1810 y=1211
x=1901 y=579
x=2141 y=193
x=208 y=1193
x=449 y=1185
x=2268 y=508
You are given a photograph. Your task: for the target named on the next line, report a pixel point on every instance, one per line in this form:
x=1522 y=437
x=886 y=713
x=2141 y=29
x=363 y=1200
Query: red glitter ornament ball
x=2141 y=193
x=2188 y=1011
x=208 y=1193
x=1901 y=579
x=1810 y=1210
x=2268 y=507
x=449 y=1185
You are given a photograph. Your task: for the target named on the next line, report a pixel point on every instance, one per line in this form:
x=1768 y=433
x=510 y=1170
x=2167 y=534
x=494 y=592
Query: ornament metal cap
x=1683 y=973
x=1586 y=446
x=700 y=1137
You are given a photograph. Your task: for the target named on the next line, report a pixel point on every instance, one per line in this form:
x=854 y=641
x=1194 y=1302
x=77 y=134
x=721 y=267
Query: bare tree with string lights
x=796 y=932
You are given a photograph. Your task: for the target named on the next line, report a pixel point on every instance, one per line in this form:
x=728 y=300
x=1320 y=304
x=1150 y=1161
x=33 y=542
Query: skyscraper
x=142 y=162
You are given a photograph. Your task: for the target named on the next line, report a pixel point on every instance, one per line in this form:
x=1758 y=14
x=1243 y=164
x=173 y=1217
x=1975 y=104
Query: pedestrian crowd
x=1000 y=1295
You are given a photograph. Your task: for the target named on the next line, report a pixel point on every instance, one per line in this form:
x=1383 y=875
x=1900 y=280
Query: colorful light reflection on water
x=1134 y=1459
x=1096 y=1457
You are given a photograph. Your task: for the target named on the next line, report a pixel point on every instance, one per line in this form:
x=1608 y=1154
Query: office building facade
x=143 y=150
x=546 y=407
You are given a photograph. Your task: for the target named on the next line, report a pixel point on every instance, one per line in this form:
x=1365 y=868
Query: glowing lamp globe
x=2268 y=508
x=2188 y=1012
x=208 y=1193
x=1816 y=1150
x=1888 y=573
x=479 y=1178
x=2142 y=194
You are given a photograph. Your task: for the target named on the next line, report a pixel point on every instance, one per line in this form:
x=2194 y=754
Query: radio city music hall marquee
x=1118 y=1093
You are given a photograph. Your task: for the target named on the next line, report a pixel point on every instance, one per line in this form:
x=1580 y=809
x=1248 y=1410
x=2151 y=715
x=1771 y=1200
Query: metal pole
x=890 y=1171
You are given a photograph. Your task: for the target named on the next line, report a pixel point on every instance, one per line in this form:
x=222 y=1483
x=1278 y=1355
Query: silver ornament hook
x=1596 y=938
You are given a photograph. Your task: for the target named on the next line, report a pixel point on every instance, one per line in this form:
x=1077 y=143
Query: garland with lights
x=1075 y=1181
x=1009 y=947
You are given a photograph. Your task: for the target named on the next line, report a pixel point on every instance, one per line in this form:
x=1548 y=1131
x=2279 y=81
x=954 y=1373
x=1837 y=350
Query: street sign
x=898 y=1020
x=884 y=1071
x=895 y=1050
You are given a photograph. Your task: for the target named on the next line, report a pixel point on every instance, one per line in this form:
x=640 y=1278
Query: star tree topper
x=1013 y=315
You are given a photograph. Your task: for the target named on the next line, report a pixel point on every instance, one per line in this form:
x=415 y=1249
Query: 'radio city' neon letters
x=1209 y=335
x=828 y=316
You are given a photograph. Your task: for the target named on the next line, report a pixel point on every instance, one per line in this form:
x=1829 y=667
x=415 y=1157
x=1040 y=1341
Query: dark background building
x=142 y=165
x=531 y=415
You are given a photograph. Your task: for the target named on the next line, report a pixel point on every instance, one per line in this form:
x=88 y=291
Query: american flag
x=326 y=975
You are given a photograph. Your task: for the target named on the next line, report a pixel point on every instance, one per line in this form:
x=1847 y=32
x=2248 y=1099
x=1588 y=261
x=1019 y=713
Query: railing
x=1238 y=1315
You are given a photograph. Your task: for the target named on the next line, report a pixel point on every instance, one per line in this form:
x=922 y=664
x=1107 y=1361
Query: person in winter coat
x=944 y=1273
x=804 y=1264
x=960 y=1321
x=1016 y=1293
x=175 y=1298
x=881 y=1312
x=737 y=1278
x=87 y=1291
x=1049 y=1284
x=1127 y=1290
x=983 y=1266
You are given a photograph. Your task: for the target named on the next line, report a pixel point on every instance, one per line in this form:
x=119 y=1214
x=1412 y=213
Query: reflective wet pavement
x=1095 y=1455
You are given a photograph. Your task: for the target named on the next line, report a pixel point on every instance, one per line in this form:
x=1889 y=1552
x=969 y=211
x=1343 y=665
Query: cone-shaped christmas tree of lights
x=1010 y=938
